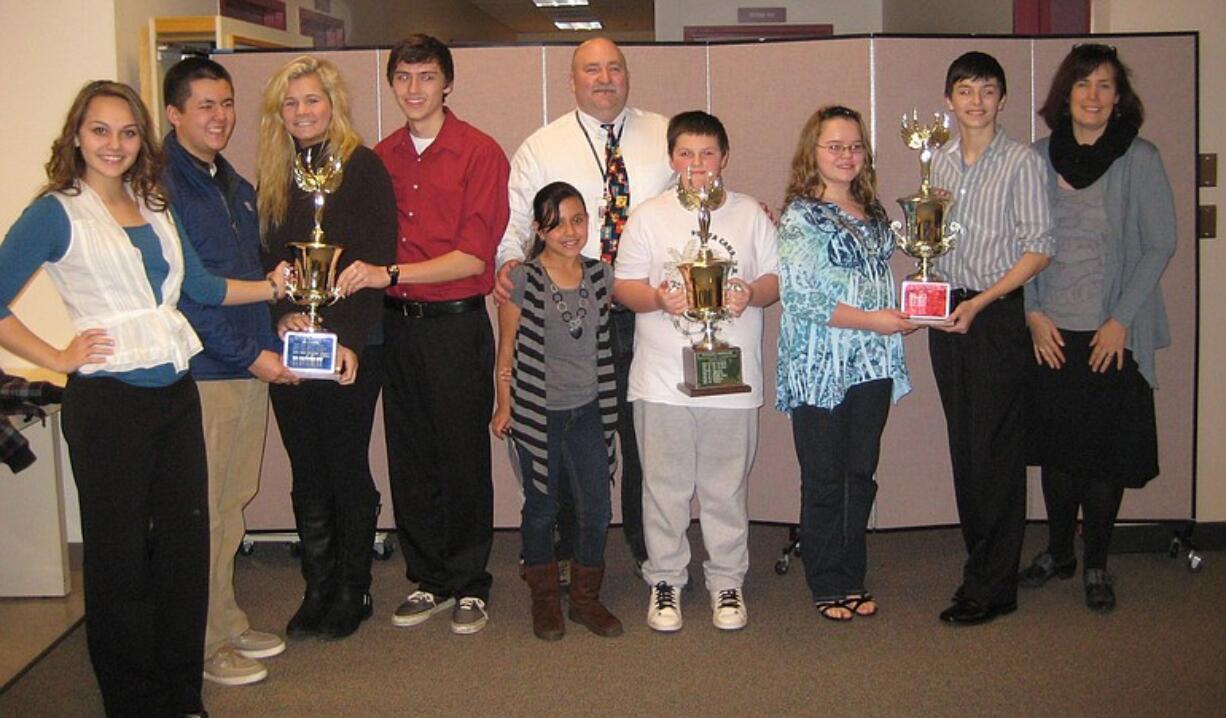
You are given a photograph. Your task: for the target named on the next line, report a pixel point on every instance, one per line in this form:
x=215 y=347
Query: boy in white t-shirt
x=689 y=445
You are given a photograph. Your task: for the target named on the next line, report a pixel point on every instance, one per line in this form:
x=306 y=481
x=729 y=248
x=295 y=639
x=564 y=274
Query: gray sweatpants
x=694 y=450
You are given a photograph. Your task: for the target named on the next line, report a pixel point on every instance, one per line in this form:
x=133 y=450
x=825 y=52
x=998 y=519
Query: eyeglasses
x=836 y=150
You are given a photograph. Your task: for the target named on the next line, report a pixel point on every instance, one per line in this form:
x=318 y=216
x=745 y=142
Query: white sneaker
x=664 y=610
x=228 y=667
x=258 y=644
x=728 y=611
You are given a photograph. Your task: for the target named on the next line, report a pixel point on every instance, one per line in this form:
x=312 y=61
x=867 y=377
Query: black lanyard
x=595 y=155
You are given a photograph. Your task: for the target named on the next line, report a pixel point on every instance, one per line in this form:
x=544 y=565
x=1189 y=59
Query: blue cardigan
x=1141 y=216
x=225 y=232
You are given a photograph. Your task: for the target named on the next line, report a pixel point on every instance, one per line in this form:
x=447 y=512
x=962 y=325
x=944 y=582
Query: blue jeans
x=578 y=455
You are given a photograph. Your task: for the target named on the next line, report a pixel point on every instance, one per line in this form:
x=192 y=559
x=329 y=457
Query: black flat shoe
x=1100 y=596
x=1043 y=568
x=969 y=612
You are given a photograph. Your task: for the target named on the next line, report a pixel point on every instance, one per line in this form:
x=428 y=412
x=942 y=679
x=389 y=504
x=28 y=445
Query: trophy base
x=712 y=372
x=925 y=302
x=311 y=355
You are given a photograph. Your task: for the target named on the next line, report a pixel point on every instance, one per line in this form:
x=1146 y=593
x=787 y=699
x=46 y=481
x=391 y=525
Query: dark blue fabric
x=39 y=235
x=224 y=230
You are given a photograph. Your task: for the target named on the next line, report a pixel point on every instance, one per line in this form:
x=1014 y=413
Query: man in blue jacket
x=216 y=212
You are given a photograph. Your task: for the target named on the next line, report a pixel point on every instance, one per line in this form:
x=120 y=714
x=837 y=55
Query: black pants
x=838 y=450
x=437 y=402
x=326 y=430
x=621 y=335
x=138 y=459
x=981 y=377
x=1099 y=501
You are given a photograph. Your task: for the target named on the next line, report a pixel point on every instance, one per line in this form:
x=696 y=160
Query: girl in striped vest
x=556 y=403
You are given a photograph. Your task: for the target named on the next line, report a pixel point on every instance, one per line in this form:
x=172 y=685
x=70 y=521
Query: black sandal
x=826 y=610
x=855 y=602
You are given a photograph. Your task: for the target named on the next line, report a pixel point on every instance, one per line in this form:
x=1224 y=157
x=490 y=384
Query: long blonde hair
x=806 y=181
x=275 y=157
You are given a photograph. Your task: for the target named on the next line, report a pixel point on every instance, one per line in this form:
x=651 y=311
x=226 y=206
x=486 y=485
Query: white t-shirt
x=655 y=235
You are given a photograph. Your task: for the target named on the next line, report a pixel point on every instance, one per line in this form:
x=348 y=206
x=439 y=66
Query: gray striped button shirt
x=1001 y=202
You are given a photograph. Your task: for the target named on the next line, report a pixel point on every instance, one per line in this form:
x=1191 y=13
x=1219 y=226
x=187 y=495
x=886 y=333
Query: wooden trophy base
x=712 y=372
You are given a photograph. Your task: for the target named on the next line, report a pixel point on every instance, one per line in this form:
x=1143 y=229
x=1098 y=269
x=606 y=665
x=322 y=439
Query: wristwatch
x=393 y=273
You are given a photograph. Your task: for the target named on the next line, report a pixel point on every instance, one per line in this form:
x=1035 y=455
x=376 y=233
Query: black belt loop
x=425 y=310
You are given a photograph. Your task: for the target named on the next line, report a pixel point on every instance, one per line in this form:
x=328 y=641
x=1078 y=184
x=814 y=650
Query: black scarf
x=1082 y=165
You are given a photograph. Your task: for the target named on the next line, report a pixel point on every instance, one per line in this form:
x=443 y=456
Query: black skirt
x=1092 y=425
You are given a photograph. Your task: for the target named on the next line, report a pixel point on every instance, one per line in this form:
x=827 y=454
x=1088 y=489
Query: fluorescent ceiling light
x=560 y=3
x=578 y=25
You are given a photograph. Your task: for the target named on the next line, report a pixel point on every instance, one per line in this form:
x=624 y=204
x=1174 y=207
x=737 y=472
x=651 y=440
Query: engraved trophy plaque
x=926 y=232
x=710 y=365
x=311 y=354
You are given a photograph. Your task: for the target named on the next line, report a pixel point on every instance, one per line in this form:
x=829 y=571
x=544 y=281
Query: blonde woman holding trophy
x=840 y=350
x=318 y=185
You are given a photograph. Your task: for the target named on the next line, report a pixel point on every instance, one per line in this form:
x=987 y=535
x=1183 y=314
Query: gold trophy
x=926 y=232
x=711 y=366
x=311 y=354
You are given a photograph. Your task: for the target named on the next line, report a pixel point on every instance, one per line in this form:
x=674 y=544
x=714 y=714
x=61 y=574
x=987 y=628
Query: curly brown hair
x=66 y=166
x=806 y=181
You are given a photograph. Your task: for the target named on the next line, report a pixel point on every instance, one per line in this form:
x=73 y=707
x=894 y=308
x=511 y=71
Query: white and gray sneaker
x=418 y=608
x=728 y=611
x=469 y=616
x=664 y=610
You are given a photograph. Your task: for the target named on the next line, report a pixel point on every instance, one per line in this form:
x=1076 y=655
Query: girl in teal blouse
x=840 y=350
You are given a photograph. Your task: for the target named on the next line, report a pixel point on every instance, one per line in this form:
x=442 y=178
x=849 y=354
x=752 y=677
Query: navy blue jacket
x=225 y=231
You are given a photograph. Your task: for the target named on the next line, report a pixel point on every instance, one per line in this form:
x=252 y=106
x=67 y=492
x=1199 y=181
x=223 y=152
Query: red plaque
x=925 y=301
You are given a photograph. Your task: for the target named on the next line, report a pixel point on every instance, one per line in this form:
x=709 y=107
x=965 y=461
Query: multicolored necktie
x=617 y=196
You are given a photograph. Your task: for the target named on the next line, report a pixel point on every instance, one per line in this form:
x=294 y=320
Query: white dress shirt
x=560 y=151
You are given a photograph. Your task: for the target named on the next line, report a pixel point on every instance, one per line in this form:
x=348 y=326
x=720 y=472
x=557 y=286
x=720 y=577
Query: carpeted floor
x=1163 y=652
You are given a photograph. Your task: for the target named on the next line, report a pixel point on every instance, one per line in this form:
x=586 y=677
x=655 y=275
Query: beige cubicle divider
x=764 y=92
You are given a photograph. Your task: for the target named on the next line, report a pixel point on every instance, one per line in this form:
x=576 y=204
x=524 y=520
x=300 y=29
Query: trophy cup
x=711 y=367
x=926 y=232
x=311 y=354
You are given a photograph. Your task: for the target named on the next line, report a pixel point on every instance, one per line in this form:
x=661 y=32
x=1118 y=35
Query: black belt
x=425 y=310
x=961 y=295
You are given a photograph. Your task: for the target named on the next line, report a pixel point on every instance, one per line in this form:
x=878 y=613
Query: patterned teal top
x=827 y=256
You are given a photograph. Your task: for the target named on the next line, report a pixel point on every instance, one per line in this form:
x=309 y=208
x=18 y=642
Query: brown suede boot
x=585 y=605
x=547 y=622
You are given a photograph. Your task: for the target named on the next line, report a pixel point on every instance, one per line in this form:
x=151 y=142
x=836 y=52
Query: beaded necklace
x=574 y=320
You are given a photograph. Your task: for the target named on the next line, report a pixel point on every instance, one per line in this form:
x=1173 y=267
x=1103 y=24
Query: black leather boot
x=353 y=603
x=316 y=540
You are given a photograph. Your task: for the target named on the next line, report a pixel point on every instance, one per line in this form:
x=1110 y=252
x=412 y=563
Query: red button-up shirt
x=453 y=196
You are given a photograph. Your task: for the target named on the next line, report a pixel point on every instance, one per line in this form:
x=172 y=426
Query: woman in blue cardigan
x=1096 y=315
